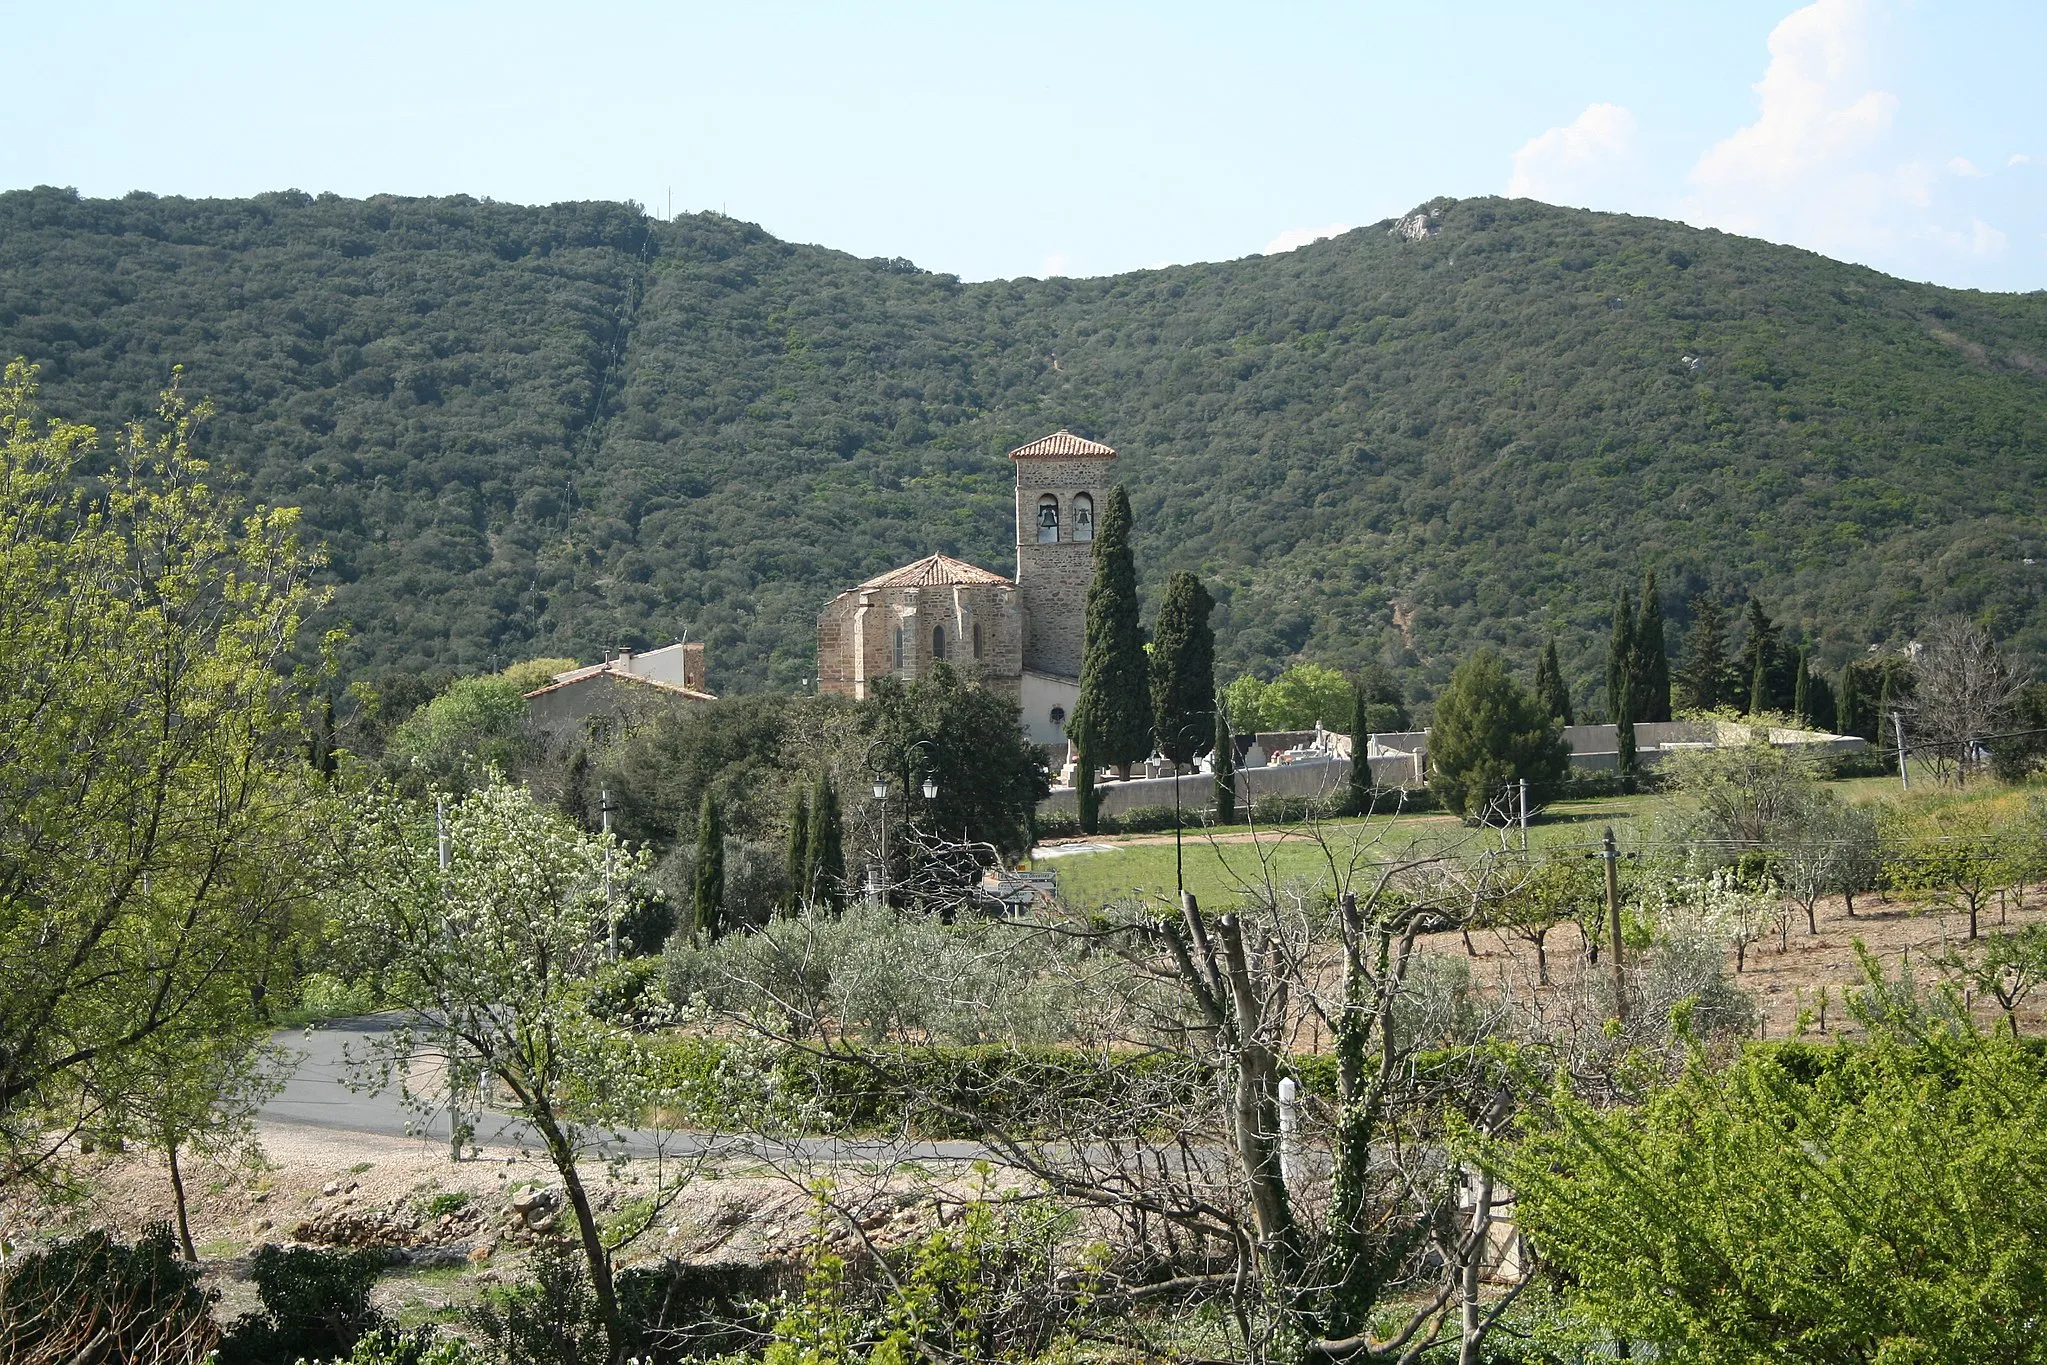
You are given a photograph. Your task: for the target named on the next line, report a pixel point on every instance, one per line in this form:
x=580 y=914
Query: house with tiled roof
x=1020 y=635
x=674 y=673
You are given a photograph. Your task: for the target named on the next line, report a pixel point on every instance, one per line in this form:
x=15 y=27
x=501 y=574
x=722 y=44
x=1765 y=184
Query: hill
x=542 y=430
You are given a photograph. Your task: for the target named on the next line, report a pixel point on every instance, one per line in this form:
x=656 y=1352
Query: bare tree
x=1966 y=691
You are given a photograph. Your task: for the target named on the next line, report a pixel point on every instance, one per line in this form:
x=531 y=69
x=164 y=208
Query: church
x=1020 y=636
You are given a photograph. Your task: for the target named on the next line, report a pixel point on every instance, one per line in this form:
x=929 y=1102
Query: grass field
x=1218 y=870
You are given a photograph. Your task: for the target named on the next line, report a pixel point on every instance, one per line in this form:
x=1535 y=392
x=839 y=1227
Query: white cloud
x=1823 y=163
x=1587 y=162
x=1295 y=237
x=1054 y=266
x=2018 y=159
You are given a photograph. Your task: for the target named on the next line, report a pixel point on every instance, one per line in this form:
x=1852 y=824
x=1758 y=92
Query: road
x=317 y=1094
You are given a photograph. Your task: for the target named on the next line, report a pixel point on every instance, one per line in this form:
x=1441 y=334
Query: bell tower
x=1062 y=485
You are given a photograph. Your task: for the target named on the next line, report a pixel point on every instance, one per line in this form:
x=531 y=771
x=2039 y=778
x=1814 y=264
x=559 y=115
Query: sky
x=997 y=140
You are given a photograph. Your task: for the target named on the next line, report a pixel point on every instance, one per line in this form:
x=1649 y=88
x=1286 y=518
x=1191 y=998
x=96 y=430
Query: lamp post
x=1179 y=741
x=877 y=764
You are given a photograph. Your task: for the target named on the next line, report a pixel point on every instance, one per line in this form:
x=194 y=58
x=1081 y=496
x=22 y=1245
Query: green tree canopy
x=1183 y=669
x=451 y=742
x=1112 y=722
x=1304 y=696
x=1651 y=663
x=1620 y=655
x=970 y=741
x=707 y=880
x=1489 y=733
x=1552 y=694
x=156 y=807
x=1817 y=1205
x=1704 y=674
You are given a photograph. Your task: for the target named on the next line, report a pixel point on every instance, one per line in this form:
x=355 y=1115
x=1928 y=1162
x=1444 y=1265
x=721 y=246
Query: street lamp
x=877 y=763
x=1179 y=742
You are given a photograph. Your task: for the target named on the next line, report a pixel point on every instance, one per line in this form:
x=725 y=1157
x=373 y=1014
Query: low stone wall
x=1320 y=778
x=1311 y=779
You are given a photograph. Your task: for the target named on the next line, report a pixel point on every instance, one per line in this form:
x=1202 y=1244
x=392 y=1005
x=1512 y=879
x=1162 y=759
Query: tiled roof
x=612 y=670
x=1061 y=444
x=933 y=571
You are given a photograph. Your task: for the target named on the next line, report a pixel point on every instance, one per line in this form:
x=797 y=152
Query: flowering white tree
x=497 y=958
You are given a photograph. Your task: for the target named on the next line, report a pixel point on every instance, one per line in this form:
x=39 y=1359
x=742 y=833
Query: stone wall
x=1312 y=779
x=856 y=635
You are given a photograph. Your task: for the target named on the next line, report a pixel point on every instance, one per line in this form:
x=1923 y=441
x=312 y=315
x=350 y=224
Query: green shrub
x=316 y=1304
x=419 y=1346
x=446 y=1202
x=551 y=1319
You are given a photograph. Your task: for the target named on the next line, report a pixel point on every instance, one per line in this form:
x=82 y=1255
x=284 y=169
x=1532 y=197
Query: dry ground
x=1789 y=979
x=323 y=1187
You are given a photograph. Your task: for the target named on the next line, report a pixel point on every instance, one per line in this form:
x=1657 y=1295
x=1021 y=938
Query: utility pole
x=1898 y=727
x=1524 y=815
x=610 y=906
x=1613 y=922
x=444 y=847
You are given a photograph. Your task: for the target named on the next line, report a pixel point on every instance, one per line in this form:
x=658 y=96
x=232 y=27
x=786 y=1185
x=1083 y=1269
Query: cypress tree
x=1651 y=688
x=1759 y=658
x=1111 y=721
x=1183 y=669
x=1620 y=655
x=1624 y=734
x=575 y=797
x=707 y=899
x=1085 y=802
x=1703 y=674
x=1550 y=692
x=1848 y=710
x=799 y=852
x=1822 y=711
x=1801 y=690
x=824 y=879
x=320 y=746
x=1358 y=800
x=1224 y=762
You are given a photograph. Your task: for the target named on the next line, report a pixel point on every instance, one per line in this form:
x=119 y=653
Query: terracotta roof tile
x=933 y=571
x=1062 y=444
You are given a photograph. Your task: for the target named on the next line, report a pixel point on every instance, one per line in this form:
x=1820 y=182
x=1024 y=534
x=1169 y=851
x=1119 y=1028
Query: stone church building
x=1021 y=636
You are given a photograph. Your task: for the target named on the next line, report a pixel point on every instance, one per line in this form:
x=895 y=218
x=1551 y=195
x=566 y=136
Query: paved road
x=317 y=1094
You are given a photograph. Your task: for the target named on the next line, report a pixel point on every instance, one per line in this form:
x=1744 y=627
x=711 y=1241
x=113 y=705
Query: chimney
x=693 y=667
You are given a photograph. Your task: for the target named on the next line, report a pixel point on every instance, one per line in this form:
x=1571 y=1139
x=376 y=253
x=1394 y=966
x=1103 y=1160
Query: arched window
x=1083 y=517
x=1048 y=520
x=938 y=642
x=977 y=639
x=899 y=648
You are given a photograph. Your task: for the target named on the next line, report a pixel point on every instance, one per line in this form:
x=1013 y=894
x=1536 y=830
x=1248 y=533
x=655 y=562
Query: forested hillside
x=530 y=431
